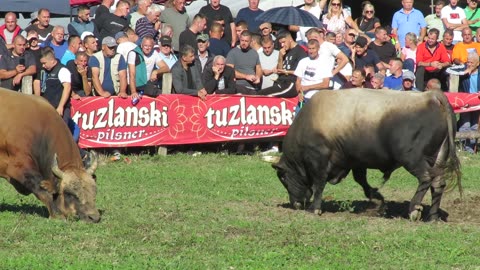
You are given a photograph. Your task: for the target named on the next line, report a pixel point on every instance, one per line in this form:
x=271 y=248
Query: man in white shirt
x=268 y=61
x=454 y=18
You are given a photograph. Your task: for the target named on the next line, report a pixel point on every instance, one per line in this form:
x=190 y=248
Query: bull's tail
x=452 y=166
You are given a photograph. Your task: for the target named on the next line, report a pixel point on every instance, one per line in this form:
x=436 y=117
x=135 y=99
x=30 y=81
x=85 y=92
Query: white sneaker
x=272 y=150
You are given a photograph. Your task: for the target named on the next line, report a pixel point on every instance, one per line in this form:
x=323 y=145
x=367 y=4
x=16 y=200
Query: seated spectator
x=408 y=81
x=394 y=81
x=73 y=47
x=338 y=19
x=377 y=81
x=109 y=70
x=9 y=30
x=358 y=80
x=141 y=63
x=368 y=22
x=219 y=78
x=331 y=37
x=433 y=84
x=82 y=23
x=150 y=24
x=266 y=30
x=432 y=60
x=447 y=41
x=203 y=57
x=185 y=75
x=409 y=52
x=218 y=46
x=469 y=83
x=57 y=42
x=382 y=46
x=16 y=64
x=311 y=75
x=81 y=80
x=166 y=52
x=363 y=56
x=462 y=49
x=348 y=42
x=240 y=26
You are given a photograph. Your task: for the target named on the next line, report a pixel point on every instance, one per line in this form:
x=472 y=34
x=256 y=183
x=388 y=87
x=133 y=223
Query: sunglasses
x=335 y=4
x=369 y=11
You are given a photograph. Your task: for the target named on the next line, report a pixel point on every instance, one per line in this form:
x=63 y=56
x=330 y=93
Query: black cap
x=166 y=40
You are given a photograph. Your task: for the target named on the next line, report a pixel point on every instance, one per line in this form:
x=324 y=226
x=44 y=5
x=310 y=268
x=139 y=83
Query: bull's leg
x=318 y=188
x=437 y=188
x=360 y=176
x=415 y=209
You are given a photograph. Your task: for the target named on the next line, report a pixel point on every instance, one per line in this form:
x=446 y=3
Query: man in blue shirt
x=408 y=19
x=249 y=14
x=394 y=81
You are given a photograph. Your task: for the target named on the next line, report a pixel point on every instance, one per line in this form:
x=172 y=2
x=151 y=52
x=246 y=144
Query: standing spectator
x=57 y=42
x=178 y=18
x=90 y=44
x=218 y=46
x=256 y=43
x=203 y=57
x=110 y=24
x=166 y=52
x=348 y=42
x=186 y=77
x=338 y=19
x=81 y=80
x=150 y=23
x=9 y=30
x=382 y=46
x=394 y=81
x=435 y=20
x=142 y=7
x=240 y=26
x=43 y=27
x=16 y=64
x=103 y=9
x=189 y=35
x=249 y=14
x=289 y=55
x=368 y=22
x=82 y=23
x=109 y=70
x=311 y=76
x=447 y=41
x=266 y=30
x=246 y=63
x=432 y=60
x=409 y=52
x=73 y=47
x=215 y=8
x=219 y=78
x=363 y=56
x=358 y=79
x=454 y=18
x=166 y=30
x=141 y=63
x=408 y=19
x=268 y=62
x=56 y=83
x=312 y=7
x=472 y=15
x=124 y=44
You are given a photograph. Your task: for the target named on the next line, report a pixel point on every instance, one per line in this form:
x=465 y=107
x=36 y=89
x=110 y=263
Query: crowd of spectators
x=126 y=52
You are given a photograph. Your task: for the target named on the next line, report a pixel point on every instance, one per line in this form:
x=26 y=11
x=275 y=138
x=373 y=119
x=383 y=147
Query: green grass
x=225 y=212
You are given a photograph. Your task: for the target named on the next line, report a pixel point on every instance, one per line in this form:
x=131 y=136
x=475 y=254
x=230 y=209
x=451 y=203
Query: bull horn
x=93 y=162
x=55 y=169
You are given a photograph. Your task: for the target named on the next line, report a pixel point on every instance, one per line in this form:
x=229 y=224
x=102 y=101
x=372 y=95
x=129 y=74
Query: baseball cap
x=86 y=33
x=109 y=41
x=165 y=40
x=203 y=37
x=408 y=75
x=120 y=35
x=361 y=41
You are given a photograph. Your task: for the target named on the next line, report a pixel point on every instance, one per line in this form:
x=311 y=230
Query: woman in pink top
x=338 y=19
x=409 y=52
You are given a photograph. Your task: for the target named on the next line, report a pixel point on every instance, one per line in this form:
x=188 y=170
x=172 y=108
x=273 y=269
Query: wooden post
x=166 y=89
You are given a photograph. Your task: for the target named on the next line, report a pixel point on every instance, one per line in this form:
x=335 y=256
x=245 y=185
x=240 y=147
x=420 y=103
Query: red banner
x=180 y=119
x=464 y=102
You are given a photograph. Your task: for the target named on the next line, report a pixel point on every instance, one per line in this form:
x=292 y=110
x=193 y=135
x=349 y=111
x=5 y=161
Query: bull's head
x=77 y=191
x=298 y=193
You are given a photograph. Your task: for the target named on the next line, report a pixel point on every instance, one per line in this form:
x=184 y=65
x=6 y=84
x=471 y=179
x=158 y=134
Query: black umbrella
x=289 y=16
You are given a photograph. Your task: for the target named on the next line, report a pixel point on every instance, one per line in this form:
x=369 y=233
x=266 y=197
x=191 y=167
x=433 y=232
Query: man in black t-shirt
x=383 y=47
x=109 y=24
x=16 y=64
x=289 y=56
x=81 y=76
x=214 y=9
x=43 y=26
x=364 y=56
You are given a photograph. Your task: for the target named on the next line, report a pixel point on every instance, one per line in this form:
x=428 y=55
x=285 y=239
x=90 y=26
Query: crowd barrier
x=180 y=119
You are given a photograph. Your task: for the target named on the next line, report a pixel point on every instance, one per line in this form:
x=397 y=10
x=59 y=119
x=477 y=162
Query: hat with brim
x=202 y=37
x=109 y=41
x=408 y=75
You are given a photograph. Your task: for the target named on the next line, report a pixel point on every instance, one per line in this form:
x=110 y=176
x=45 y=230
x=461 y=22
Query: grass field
x=229 y=212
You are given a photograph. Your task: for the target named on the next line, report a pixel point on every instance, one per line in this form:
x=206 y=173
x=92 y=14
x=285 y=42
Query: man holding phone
x=16 y=65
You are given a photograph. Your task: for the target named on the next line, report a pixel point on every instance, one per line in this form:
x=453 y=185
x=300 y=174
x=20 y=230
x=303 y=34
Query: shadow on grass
x=25 y=209
x=392 y=209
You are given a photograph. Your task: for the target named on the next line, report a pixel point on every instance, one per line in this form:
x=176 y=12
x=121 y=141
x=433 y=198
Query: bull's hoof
x=433 y=218
x=416 y=214
x=317 y=212
x=297 y=206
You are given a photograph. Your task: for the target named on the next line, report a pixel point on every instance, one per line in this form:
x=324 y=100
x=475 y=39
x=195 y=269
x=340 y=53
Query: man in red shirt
x=432 y=61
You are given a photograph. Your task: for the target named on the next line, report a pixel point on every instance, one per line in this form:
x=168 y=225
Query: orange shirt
x=460 y=51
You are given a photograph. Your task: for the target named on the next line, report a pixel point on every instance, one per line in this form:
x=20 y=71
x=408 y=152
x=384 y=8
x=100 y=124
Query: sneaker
x=272 y=150
x=116 y=156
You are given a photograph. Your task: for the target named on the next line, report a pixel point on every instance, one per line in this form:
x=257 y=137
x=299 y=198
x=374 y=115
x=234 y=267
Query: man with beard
x=82 y=23
x=289 y=56
x=110 y=24
x=16 y=64
x=186 y=77
x=246 y=63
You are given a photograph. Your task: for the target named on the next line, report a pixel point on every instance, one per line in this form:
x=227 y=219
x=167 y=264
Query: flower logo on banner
x=179 y=118
x=199 y=111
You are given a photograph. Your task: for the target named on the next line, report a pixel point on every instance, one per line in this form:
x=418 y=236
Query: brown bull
x=38 y=155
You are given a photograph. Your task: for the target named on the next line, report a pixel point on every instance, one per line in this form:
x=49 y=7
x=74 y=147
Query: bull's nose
x=95 y=217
